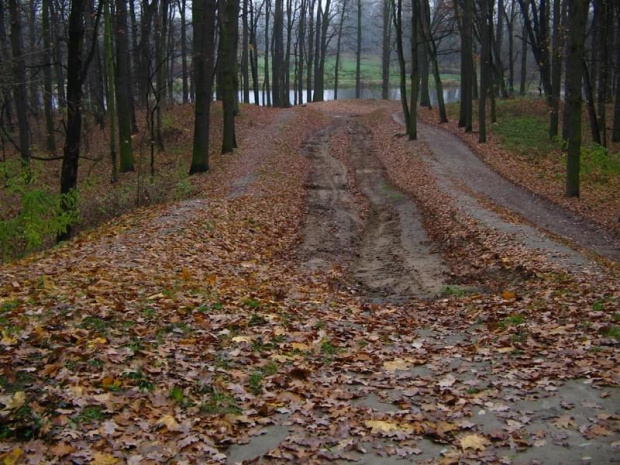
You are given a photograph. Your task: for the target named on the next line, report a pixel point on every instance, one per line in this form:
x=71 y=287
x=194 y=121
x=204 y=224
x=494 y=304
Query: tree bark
x=578 y=15
x=415 y=70
x=397 y=16
x=184 y=68
x=108 y=56
x=386 y=50
x=228 y=61
x=604 y=58
x=556 y=70
x=123 y=88
x=245 y=52
x=485 y=57
x=20 y=93
x=587 y=88
x=77 y=71
x=339 y=46
x=431 y=46
x=358 y=53
x=278 y=84
x=319 y=87
x=47 y=76
x=203 y=18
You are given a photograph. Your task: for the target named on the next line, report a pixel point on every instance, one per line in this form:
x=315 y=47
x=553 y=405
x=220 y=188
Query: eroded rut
x=389 y=254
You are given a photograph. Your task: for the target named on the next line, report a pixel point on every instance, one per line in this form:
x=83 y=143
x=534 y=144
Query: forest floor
x=336 y=293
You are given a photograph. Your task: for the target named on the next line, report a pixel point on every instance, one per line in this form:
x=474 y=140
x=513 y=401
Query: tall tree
x=342 y=17
x=19 y=87
x=310 y=50
x=203 y=19
x=397 y=15
x=245 y=52
x=485 y=69
x=278 y=71
x=578 y=14
x=123 y=87
x=228 y=61
x=415 y=70
x=615 y=132
x=108 y=56
x=358 y=53
x=467 y=67
x=536 y=21
x=431 y=48
x=606 y=24
x=386 y=49
x=319 y=85
x=48 y=95
x=182 y=4
x=556 y=69
x=77 y=71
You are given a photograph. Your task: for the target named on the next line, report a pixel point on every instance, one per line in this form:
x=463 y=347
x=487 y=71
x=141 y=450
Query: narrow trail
x=388 y=255
x=455 y=166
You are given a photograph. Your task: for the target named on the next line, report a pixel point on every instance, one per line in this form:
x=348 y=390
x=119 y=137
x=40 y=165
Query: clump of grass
x=512 y=320
x=613 y=332
x=452 y=291
x=255 y=383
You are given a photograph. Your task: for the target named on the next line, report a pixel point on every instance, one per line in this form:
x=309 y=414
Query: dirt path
x=389 y=254
x=455 y=165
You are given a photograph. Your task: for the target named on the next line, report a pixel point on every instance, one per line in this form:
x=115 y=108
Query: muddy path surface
x=456 y=166
x=382 y=244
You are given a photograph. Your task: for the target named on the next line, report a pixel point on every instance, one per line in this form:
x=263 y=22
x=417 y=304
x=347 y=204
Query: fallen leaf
x=394 y=365
x=565 y=421
x=474 y=441
x=101 y=458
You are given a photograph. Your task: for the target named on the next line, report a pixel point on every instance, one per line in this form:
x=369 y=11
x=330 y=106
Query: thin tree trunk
x=245 y=53
x=59 y=39
x=467 y=76
x=310 y=51
x=77 y=70
x=47 y=76
x=320 y=75
x=228 y=60
x=385 y=50
x=339 y=46
x=254 y=52
x=556 y=70
x=358 y=53
x=19 y=88
x=301 y=37
x=111 y=96
x=415 y=70
x=123 y=88
x=615 y=132
x=607 y=25
x=278 y=84
x=523 y=62
x=267 y=53
x=485 y=56
x=578 y=15
x=397 y=15
x=184 y=69
x=203 y=17
x=587 y=87
x=431 y=46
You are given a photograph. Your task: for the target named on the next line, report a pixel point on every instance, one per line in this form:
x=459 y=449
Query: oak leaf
x=474 y=441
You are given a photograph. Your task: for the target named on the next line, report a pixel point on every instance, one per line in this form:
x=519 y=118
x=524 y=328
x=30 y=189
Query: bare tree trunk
x=320 y=75
x=123 y=87
x=108 y=56
x=358 y=53
x=415 y=70
x=385 y=50
x=59 y=39
x=254 y=52
x=310 y=51
x=339 y=46
x=6 y=112
x=587 y=87
x=397 y=15
x=47 y=76
x=578 y=15
x=523 y=62
x=485 y=57
x=290 y=21
x=468 y=80
x=77 y=71
x=19 y=88
x=431 y=46
x=203 y=17
x=228 y=61
x=604 y=58
x=184 y=70
x=301 y=37
x=267 y=53
x=615 y=132
x=245 y=53
x=278 y=55
x=556 y=70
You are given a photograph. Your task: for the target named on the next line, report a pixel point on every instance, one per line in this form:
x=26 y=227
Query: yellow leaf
x=7 y=339
x=398 y=364
x=15 y=401
x=12 y=457
x=62 y=449
x=242 y=339
x=211 y=279
x=98 y=341
x=169 y=422
x=474 y=441
x=300 y=346
x=186 y=275
x=104 y=459
x=379 y=426
x=505 y=350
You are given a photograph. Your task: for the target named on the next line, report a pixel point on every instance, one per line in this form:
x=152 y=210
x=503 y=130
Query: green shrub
x=39 y=212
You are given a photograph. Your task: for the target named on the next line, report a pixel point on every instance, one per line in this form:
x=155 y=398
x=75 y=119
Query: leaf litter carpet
x=207 y=331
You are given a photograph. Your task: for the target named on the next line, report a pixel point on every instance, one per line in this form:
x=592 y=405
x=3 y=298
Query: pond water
x=450 y=94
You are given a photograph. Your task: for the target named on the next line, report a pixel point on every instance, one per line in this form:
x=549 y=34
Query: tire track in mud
x=389 y=255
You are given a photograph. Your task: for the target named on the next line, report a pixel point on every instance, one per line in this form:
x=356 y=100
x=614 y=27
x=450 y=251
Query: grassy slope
x=520 y=149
